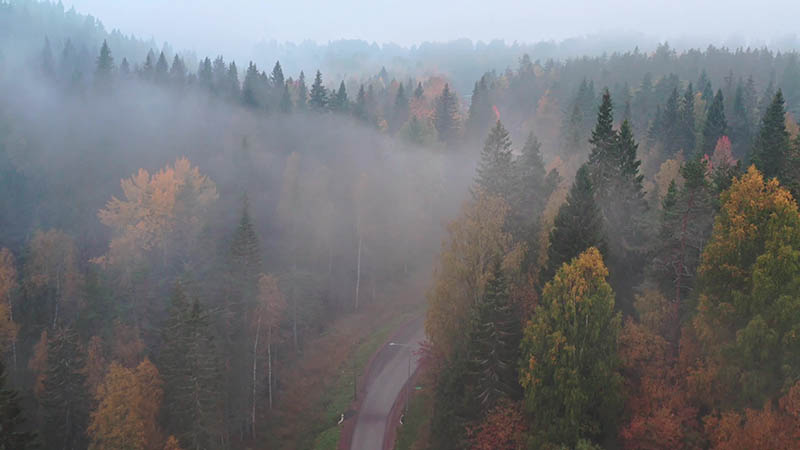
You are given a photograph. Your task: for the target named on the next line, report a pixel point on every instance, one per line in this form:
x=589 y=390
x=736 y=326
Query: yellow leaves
x=128 y=404
x=155 y=209
x=476 y=241
x=579 y=277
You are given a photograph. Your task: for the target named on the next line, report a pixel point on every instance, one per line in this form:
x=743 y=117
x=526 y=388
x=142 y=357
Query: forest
x=202 y=253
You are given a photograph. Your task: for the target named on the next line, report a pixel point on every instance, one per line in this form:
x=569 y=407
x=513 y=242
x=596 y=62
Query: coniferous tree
x=687 y=134
x=741 y=133
x=360 y=106
x=205 y=74
x=494 y=173
x=177 y=73
x=191 y=374
x=104 y=71
x=400 y=111
x=65 y=398
x=231 y=87
x=302 y=93
x=670 y=131
x=772 y=147
x=250 y=87
x=602 y=158
x=494 y=344
x=12 y=423
x=530 y=191
x=480 y=110
x=339 y=101
x=286 y=99
x=125 y=68
x=161 y=70
x=318 y=99
x=446 y=115
x=716 y=126
x=277 y=84
x=577 y=226
x=572 y=136
x=418 y=92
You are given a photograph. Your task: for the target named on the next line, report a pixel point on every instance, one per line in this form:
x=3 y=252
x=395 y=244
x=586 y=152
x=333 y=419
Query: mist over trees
x=620 y=264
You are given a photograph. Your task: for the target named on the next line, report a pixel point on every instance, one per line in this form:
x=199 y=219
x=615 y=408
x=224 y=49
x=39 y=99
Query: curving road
x=383 y=385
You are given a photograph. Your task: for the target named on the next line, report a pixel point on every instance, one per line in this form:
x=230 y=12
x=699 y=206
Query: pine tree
x=105 y=67
x=716 y=126
x=687 y=134
x=191 y=374
x=446 y=115
x=494 y=343
x=161 y=71
x=494 y=175
x=603 y=158
x=177 y=73
x=418 y=92
x=286 y=99
x=125 y=68
x=480 y=110
x=231 y=84
x=670 y=132
x=278 y=89
x=251 y=92
x=528 y=197
x=400 y=111
x=577 y=226
x=360 y=107
x=12 y=423
x=339 y=101
x=772 y=147
x=65 y=399
x=741 y=133
x=572 y=136
x=205 y=74
x=318 y=99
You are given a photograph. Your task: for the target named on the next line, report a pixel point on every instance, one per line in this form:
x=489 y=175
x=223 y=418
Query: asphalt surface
x=384 y=384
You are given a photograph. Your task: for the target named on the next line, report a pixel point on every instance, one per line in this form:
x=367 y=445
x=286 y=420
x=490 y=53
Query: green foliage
x=318 y=99
x=494 y=175
x=13 y=432
x=577 y=226
x=191 y=373
x=572 y=388
x=715 y=126
x=772 y=147
x=65 y=398
x=446 y=115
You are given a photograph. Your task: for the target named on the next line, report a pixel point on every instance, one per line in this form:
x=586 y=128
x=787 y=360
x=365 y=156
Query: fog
x=233 y=27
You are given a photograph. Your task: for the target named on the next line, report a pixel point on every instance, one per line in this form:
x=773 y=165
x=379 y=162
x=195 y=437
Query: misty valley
x=591 y=243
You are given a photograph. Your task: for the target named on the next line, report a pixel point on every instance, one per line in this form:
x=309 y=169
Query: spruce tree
x=12 y=423
x=318 y=99
x=400 y=111
x=670 y=131
x=190 y=369
x=602 y=158
x=105 y=67
x=716 y=126
x=65 y=398
x=286 y=99
x=494 y=344
x=572 y=136
x=161 y=71
x=687 y=134
x=360 y=106
x=278 y=88
x=446 y=115
x=494 y=173
x=232 y=87
x=479 y=117
x=772 y=147
x=177 y=73
x=125 y=68
x=251 y=95
x=339 y=100
x=529 y=195
x=418 y=92
x=205 y=74
x=577 y=226
x=741 y=134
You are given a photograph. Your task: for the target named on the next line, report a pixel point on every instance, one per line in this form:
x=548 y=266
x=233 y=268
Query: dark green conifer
x=716 y=126
x=318 y=99
x=12 y=423
x=65 y=399
x=772 y=147
x=494 y=173
x=446 y=115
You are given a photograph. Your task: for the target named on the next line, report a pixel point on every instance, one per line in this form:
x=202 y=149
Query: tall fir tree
x=419 y=91
x=741 y=132
x=13 y=433
x=318 y=99
x=360 y=106
x=688 y=133
x=191 y=373
x=400 y=110
x=529 y=195
x=339 y=101
x=104 y=71
x=446 y=115
x=716 y=125
x=772 y=147
x=161 y=69
x=578 y=225
x=65 y=398
x=494 y=173
x=602 y=158
x=494 y=344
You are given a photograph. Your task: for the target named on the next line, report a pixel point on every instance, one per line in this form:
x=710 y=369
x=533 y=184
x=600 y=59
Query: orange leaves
x=156 y=209
x=502 y=429
x=129 y=401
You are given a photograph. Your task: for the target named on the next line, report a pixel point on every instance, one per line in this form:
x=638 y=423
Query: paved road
x=383 y=385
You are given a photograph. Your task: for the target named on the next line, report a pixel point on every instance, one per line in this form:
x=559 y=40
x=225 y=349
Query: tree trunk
x=358 y=271
x=255 y=362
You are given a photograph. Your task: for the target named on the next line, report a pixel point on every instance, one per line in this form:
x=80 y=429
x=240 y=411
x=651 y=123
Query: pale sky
x=229 y=26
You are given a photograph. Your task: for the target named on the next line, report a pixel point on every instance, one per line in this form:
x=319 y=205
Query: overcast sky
x=210 y=26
